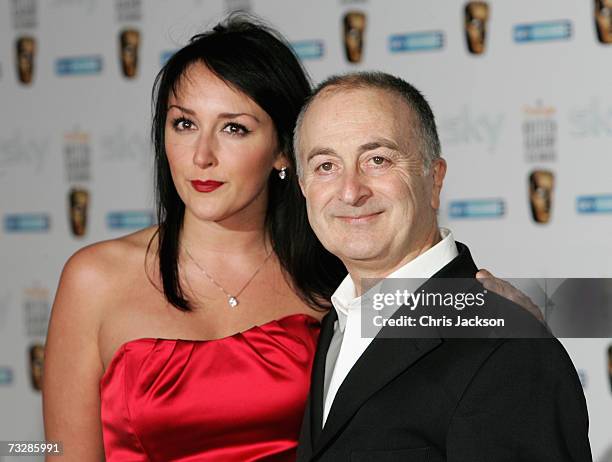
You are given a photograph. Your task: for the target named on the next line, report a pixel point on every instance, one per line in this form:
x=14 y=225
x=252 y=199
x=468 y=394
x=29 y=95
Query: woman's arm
x=72 y=370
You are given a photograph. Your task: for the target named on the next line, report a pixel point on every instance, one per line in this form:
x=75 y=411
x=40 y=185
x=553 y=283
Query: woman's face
x=221 y=147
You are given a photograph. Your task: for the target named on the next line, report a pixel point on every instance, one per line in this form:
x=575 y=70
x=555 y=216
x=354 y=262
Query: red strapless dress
x=238 y=398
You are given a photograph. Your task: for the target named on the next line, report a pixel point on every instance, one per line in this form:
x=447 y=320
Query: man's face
x=541 y=183
x=129 y=40
x=476 y=16
x=603 y=20
x=368 y=199
x=26 y=50
x=354 y=30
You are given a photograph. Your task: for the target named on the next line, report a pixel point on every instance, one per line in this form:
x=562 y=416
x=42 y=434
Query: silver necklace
x=232 y=300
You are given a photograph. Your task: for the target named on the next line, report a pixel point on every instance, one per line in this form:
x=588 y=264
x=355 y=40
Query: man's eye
x=378 y=161
x=235 y=129
x=326 y=167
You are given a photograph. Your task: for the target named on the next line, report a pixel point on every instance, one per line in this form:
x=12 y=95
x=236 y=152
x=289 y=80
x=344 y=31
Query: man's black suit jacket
x=441 y=399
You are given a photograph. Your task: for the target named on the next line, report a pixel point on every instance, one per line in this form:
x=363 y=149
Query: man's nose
x=204 y=151
x=354 y=189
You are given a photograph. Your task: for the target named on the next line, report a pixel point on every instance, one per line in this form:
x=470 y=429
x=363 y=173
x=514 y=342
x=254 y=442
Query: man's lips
x=358 y=219
x=206 y=186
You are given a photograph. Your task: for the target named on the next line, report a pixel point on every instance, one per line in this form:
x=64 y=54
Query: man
x=370 y=168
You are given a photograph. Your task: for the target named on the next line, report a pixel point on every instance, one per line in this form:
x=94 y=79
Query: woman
x=233 y=271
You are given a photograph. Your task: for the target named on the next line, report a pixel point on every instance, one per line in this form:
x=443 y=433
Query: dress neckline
x=117 y=354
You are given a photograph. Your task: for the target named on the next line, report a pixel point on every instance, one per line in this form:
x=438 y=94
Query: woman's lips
x=206 y=186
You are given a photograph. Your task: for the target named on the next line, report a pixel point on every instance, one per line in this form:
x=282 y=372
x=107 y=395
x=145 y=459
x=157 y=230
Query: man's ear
x=438 y=168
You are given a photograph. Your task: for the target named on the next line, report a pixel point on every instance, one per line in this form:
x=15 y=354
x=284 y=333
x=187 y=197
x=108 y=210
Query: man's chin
x=357 y=252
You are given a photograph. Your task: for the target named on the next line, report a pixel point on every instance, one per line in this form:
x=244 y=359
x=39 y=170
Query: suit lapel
x=318 y=377
x=381 y=362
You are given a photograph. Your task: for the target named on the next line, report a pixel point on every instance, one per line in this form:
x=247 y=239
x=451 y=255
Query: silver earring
x=283 y=173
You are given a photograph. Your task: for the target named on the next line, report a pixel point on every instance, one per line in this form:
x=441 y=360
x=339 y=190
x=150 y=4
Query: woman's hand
x=507 y=290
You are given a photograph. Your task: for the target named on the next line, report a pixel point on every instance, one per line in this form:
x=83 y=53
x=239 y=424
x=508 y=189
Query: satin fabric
x=238 y=398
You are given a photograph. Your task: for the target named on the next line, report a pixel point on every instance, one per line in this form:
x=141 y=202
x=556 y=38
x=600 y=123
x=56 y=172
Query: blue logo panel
x=129 y=219
x=477 y=208
x=6 y=375
x=165 y=56
x=78 y=65
x=27 y=222
x=594 y=204
x=416 y=41
x=308 y=49
x=543 y=31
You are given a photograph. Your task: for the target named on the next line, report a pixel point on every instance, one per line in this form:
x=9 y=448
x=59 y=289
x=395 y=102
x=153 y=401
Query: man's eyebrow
x=378 y=143
x=317 y=151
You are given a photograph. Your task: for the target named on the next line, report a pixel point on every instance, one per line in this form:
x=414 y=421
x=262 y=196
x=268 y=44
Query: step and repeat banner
x=521 y=92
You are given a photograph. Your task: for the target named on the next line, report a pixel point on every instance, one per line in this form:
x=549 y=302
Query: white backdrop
x=81 y=123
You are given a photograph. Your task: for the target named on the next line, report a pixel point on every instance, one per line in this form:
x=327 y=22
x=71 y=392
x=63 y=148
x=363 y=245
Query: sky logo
x=477 y=208
x=6 y=375
x=78 y=65
x=165 y=56
x=543 y=31
x=129 y=219
x=27 y=222
x=308 y=49
x=594 y=204
x=416 y=41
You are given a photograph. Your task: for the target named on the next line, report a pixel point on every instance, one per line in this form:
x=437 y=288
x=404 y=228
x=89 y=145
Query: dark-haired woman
x=194 y=339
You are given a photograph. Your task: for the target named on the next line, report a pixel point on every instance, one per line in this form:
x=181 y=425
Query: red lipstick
x=206 y=186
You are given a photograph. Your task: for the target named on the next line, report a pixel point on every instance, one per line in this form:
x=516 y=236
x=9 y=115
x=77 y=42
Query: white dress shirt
x=347 y=345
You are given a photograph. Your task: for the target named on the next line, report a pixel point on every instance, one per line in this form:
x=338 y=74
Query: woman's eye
x=182 y=124
x=235 y=129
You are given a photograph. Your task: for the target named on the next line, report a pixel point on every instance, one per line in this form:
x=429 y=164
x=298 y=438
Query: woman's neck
x=209 y=237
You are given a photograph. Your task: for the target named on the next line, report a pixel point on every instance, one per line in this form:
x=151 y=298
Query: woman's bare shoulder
x=105 y=265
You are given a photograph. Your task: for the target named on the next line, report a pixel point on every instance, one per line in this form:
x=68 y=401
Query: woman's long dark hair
x=257 y=60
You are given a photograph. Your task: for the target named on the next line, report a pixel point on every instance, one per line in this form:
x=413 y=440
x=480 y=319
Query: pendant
x=233 y=301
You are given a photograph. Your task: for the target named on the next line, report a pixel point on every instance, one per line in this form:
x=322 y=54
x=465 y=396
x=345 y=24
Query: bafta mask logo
x=26 y=52
x=603 y=20
x=79 y=201
x=354 y=31
x=476 y=17
x=129 y=42
x=541 y=185
x=37 y=361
